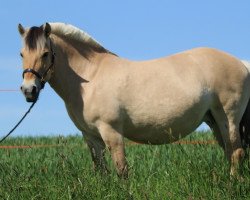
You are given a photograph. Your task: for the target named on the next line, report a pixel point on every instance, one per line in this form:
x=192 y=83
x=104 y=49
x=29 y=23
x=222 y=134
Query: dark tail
x=245 y=128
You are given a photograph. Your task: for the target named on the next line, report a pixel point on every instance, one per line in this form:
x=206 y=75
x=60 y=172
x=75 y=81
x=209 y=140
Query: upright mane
x=73 y=33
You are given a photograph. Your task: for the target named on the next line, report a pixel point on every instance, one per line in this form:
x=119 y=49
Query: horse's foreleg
x=114 y=142
x=97 y=150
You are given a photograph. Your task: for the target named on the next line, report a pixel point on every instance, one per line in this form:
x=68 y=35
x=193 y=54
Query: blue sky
x=139 y=30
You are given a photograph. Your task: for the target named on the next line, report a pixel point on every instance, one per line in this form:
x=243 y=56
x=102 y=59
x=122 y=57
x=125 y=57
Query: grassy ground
x=156 y=172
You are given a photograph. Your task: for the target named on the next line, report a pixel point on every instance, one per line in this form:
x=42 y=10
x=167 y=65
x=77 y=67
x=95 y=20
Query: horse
x=155 y=102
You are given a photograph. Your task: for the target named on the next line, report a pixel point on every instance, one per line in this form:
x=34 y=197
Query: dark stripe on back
x=32 y=37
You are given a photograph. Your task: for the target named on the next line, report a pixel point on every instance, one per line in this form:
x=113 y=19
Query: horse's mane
x=73 y=33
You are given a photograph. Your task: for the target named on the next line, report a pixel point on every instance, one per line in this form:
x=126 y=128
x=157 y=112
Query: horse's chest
x=76 y=114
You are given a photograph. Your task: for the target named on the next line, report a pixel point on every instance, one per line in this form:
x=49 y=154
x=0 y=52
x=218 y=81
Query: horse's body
x=162 y=100
x=153 y=102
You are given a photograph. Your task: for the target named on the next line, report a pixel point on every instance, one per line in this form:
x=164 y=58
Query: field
x=186 y=171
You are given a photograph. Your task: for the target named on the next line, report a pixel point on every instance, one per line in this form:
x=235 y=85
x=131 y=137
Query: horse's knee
x=119 y=160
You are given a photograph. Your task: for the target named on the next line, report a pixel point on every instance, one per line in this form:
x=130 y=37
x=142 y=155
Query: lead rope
x=11 y=131
x=42 y=84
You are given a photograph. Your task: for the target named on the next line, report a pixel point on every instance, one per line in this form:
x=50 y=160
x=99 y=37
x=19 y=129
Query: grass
x=156 y=172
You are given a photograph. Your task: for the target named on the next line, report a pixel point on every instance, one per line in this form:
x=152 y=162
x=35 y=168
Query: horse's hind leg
x=97 y=150
x=228 y=123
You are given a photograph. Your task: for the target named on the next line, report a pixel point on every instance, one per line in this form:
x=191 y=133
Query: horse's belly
x=159 y=135
x=164 y=126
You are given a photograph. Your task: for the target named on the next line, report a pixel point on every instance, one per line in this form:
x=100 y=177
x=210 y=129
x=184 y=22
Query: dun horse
x=152 y=102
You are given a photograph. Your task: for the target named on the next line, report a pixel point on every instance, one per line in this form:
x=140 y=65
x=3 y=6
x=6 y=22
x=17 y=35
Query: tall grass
x=156 y=172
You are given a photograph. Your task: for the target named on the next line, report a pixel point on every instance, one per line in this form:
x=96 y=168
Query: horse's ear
x=21 y=29
x=47 y=29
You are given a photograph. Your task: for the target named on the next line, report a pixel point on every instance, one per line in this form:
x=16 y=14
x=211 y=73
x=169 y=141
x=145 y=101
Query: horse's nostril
x=21 y=88
x=33 y=90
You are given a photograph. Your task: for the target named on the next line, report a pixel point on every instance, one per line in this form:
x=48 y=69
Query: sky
x=133 y=29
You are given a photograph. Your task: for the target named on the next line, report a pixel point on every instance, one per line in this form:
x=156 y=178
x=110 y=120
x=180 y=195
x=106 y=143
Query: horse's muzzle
x=31 y=92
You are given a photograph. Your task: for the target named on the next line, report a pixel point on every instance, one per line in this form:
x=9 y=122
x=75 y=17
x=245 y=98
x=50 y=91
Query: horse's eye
x=45 y=55
x=21 y=55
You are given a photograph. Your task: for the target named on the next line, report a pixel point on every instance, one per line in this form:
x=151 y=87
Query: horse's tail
x=245 y=121
x=245 y=127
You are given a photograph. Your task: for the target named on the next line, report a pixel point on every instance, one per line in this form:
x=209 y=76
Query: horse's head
x=38 y=59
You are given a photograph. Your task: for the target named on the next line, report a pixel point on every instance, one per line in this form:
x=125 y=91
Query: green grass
x=156 y=172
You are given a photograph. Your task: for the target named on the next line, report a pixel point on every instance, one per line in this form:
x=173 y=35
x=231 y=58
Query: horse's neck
x=72 y=69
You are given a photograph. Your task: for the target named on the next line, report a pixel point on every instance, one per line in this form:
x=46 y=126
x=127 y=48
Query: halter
x=41 y=76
